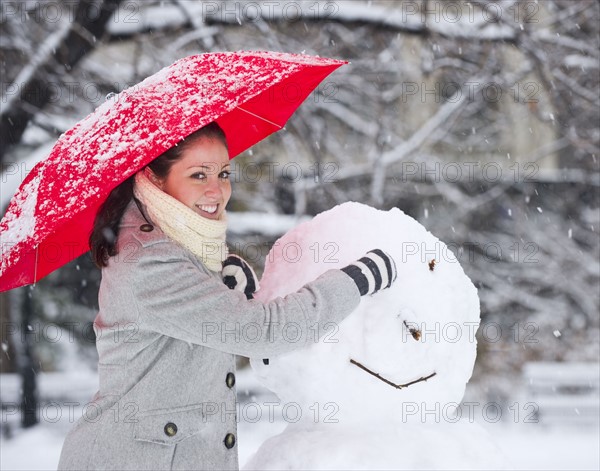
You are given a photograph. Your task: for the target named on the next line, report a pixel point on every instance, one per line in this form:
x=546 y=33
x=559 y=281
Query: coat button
x=230 y=380
x=229 y=440
x=170 y=429
x=146 y=228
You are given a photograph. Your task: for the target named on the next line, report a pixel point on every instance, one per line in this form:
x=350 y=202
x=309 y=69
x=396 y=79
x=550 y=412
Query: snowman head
x=404 y=351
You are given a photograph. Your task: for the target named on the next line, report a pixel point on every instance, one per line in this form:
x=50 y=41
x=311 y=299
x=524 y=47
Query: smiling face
x=200 y=178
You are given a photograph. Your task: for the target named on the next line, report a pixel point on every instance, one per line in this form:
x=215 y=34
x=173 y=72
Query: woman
x=169 y=328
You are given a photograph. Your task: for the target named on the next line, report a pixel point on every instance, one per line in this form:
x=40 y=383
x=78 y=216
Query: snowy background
x=478 y=119
x=532 y=446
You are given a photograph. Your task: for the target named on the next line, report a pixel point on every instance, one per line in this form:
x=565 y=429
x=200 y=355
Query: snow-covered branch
x=474 y=23
x=46 y=50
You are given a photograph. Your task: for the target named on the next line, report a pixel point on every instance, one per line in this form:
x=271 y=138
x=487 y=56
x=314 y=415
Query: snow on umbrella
x=249 y=94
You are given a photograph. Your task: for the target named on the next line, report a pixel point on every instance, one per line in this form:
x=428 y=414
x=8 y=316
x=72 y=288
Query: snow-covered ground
x=528 y=446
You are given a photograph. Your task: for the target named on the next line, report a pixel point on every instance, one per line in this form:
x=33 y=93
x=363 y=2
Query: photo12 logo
x=470 y=11
x=453 y=412
x=257 y=11
x=463 y=171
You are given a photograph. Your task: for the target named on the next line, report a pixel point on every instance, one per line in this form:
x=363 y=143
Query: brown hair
x=103 y=239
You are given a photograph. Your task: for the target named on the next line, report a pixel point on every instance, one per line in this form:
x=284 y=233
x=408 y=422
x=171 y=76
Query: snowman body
x=382 y=388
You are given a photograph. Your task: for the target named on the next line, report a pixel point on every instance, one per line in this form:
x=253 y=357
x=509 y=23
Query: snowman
x=380 y=390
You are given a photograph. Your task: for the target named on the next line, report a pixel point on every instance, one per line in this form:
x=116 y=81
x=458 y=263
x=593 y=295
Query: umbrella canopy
x=249 y=94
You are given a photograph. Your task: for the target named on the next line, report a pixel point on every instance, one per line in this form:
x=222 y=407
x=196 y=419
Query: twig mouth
x=387 y=381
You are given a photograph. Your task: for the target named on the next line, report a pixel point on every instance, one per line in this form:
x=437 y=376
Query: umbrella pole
x=35 y=265
x=29 y=398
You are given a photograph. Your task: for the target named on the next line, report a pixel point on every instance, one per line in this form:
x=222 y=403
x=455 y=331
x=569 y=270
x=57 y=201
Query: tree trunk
x=29 y=400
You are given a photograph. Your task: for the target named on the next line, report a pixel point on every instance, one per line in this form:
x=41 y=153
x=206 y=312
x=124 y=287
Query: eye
x=198 y=176
x=225 y=175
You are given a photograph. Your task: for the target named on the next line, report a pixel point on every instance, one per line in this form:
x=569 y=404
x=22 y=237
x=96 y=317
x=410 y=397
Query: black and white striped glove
x=238 y=275
x=373 y=272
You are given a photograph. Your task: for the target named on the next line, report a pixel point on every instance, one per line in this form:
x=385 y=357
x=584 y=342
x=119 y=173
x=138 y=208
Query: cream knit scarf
x=204 y=237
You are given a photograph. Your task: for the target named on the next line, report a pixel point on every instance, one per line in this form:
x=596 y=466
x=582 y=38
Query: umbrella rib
x=259 y=117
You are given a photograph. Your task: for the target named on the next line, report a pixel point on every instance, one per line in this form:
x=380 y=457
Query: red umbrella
x=249 y=94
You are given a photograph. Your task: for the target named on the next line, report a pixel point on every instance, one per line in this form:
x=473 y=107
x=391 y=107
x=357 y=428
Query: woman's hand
x=238 y=275
x=373 y=272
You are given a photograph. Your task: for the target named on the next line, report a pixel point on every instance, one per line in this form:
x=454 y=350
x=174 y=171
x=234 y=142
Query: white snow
x=18 y=452
x=529 y=446
x=580 y=61
x=21 y=225
x=15 y=173
x=262 y=223
x=350 y=417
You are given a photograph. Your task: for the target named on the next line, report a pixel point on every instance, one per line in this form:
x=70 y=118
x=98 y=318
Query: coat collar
x=135 y=223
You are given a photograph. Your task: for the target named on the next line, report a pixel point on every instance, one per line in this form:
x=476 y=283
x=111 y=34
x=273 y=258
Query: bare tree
x=53 y=44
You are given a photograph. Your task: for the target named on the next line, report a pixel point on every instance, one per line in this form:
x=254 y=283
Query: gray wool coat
x=167 y=332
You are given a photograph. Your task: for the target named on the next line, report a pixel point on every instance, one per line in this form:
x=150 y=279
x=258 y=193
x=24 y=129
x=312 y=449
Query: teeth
x=208 y=208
